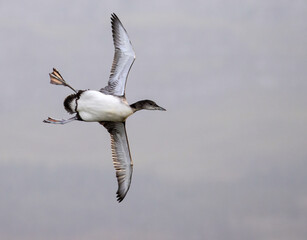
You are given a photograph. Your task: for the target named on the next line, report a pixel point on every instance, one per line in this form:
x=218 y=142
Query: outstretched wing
x=124 y=57
x=121 y=156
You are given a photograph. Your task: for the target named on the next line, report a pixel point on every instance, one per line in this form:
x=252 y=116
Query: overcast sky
x=226 y=161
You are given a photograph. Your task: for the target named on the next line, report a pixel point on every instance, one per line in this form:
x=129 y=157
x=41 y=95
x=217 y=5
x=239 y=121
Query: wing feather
x=124 y=57
x=121 y=156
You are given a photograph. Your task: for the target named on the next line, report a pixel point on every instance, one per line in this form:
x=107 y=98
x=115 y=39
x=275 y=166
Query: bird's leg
x=57 y=79
x=62 y=121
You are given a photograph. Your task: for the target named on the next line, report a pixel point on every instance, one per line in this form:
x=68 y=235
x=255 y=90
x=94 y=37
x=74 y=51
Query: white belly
x=94 y=106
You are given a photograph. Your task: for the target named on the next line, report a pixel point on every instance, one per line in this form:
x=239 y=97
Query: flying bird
x=109 y=106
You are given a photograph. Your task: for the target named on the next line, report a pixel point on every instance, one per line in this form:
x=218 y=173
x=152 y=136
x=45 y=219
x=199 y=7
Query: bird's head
x=146 y=104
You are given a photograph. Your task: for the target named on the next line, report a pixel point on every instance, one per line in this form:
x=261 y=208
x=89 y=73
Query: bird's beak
x=161 y=108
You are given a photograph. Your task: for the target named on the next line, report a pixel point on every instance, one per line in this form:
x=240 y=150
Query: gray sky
x=226 y=161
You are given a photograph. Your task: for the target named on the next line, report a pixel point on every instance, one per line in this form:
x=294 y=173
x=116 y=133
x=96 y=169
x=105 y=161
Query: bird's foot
x=58 y=121
x=57 y=79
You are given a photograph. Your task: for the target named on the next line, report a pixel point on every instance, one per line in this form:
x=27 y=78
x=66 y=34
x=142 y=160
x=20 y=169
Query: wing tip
x=114 y=17
x=120 y=197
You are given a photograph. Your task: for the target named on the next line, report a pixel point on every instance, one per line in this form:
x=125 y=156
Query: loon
x=109 y=106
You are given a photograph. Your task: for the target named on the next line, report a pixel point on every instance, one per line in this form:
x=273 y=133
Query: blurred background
x=226 y=161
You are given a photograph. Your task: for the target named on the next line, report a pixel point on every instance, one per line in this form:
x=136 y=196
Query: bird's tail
x=70 y=103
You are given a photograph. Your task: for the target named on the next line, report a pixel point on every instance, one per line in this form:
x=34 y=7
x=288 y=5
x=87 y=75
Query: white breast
x=94 y=106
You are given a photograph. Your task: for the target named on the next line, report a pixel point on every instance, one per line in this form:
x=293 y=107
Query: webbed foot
x=58 y=121
x=57 y=79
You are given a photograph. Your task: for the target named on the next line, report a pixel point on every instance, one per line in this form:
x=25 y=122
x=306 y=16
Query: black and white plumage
x=108 y=106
